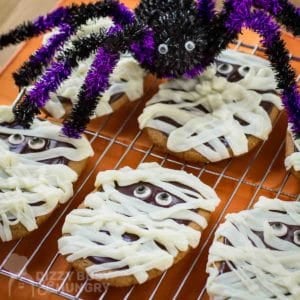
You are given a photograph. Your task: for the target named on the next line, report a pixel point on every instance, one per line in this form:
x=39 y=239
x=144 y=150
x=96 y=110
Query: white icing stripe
x=127 y=78
x=293 y=160
x=239 y=58
x=223 y=101
x=116 y=213
x=24 y=184
x=255 y=271
x=44 y=129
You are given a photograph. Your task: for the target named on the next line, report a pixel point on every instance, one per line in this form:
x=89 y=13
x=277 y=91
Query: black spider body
x=169 y=38
x=176 y=25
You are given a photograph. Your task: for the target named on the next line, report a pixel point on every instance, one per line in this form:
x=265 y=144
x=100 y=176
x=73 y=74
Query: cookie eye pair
x=143 y=192
x=280 y=229
x=164 y=49
x=34 y=143
x=226 y=69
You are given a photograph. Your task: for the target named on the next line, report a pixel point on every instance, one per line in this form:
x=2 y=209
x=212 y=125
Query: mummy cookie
x=126 y=82
x=256 y=253
x=43 y=142
x=38 y=167
x=223 y=113
x=137 y=223
x=292 y=161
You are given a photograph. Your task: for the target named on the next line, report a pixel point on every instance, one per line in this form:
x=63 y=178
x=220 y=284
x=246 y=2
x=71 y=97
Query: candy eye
x=163 y=49
x=297 y=237
x=142 y=191
x=163 y=198
x=16 y=139
x=225 y=69
x=279 y=229
x=244 y=70
x=36 y=143
x=190 y=46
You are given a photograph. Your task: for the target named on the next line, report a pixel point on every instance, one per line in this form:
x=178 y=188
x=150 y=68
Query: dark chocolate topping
x=289 y=237
x=114 y=98
x=232 y=74
x=23 y=147
x=147 y=192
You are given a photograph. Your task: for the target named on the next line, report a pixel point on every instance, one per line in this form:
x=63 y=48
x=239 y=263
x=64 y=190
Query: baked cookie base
x=81 y=264
x=160 y=139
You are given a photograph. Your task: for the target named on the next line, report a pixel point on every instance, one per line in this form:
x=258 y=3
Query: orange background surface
x=34 y=261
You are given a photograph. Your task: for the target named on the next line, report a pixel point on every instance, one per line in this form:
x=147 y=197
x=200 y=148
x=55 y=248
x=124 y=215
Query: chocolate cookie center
x=23 y=144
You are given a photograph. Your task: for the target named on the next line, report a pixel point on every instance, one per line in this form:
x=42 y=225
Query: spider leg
x=129 y=38
x=139 y=41
x=283 y=11
x=263 y=24
x=279 y=58
x=33 y=67
x=78 y=16
x=34 y=28
x=206 y=10
x=54 y=75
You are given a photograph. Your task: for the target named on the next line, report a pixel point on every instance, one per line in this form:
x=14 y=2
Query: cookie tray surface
x=31 y=268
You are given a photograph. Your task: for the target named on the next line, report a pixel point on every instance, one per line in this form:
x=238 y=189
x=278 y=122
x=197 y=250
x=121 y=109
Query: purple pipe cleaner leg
x=278 y=55
x=95 y=83
x=34 y=66
x=51 y=20
x=58 y=72
x=35 y=28
x=283 y=11
x=206 y=9
x=263 y=24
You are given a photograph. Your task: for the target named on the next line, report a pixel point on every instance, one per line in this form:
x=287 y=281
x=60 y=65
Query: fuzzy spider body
x=170 y=38
x=180 y=35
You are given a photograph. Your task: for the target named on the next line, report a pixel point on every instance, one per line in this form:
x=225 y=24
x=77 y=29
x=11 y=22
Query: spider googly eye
x=279 y=229
x=244 y=70
x=297 y=237
x=36 y=143
x=189 y=46
x=163 y=49
x=142 y=191
x=225 y=69
x=16 y=139
x=163 y=198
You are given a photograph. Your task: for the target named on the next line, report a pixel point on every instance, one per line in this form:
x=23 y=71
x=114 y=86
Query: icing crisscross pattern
x=261 y=261
x=202 y=113
x=97 y=229
x=29 y=189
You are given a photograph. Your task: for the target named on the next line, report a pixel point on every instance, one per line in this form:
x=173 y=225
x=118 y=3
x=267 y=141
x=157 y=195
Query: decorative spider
x=169 y=38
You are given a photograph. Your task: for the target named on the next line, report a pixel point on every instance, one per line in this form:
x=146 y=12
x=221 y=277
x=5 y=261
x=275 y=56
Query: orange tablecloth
x=239 y=183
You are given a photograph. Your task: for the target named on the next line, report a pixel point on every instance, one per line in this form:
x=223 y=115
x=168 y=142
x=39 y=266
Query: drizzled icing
x=98 y=229
x=293 y=160
x=71 y=149
x=127 y=78
x=201 y=113
x=262 y=253
x=29 y=189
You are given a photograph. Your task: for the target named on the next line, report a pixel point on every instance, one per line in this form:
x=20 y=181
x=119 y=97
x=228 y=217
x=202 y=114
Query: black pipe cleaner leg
x=283 y=11
x=76 y=17
x=97 y=82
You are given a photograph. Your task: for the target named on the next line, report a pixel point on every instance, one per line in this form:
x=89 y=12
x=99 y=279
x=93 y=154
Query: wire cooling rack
x=32 y=266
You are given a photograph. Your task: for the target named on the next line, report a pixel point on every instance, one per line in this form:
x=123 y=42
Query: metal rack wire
x=219 y=177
